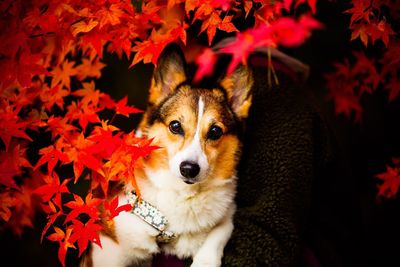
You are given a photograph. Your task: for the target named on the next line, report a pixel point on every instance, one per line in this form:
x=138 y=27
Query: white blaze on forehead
x=200 y=113
x=193 y=152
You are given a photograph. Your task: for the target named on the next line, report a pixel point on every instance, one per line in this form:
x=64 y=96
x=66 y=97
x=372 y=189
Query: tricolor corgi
x=187 y=186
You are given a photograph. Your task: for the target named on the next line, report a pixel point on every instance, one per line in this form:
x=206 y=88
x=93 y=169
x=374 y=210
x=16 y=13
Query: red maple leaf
x=50 y=221
x=123 y=160
x=359 y=11
x=149 y=14
x=84 y=112
x=112 y=209
x=360 y=31
x=7 y=173
x=391 y=182
x=120 y=46
x=83 y=26
x=106 y=101
x=62 y=74
x=364 y=70
x=207 y=7
x=12 y=126
x=53 y=96
x=64 y=240
x=59 y=126
x=382 y=30
x=51 y=156
x=78 y=206
x=172 y=3
x=83 y=233
x=98 y=180
x=138 y=147
x=11 y=162
x=89 y=93
x=6 y=203
x=20 y=71
x=348 y=103
x=80 y=152
x=105 y=139
x=241 y=47
x=393 y=86
x=53 y=189
x=149 y=50
x=214 y=22
x=341 y=88
x=205 y=62
x=248 y=5
x=289 y=32
x=122 y=108
x=89 y=68
x=110 y=15
x=96 y=40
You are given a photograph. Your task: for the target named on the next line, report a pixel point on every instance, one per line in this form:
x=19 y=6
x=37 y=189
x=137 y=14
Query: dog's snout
x=189 y=169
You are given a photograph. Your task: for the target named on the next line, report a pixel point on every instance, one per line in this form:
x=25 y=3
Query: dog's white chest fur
x=199 y=215
x=192 y=210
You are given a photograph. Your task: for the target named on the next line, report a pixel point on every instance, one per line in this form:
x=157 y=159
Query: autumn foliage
x=51 y=55
x=374 y=65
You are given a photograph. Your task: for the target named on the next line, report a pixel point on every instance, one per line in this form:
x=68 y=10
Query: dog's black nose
x=189 y=169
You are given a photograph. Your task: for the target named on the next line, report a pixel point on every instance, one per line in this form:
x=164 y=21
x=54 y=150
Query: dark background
x=371 y=225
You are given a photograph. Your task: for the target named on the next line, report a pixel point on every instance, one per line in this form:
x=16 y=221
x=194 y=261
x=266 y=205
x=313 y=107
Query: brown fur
x=182 y=106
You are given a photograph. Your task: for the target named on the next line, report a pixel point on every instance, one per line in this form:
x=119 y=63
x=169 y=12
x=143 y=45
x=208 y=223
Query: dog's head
x=196 y=128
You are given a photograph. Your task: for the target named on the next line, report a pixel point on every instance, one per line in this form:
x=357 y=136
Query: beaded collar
x=151 y=215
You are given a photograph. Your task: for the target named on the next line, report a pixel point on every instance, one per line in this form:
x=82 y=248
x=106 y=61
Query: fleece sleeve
x=284 y=149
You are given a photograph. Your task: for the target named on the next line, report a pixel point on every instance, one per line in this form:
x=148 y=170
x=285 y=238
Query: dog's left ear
x=239 y=87
x=169 y=72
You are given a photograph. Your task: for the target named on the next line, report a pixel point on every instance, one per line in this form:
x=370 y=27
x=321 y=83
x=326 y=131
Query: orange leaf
x=110 y=16
x=360 y=30
x=89 y=68
x=62 y=74
x=83 y=26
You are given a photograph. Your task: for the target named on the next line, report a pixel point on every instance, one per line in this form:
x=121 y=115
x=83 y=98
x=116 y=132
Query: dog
x=188 y=185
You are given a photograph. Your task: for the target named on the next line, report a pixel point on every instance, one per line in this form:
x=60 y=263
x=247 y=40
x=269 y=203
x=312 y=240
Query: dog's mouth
x=189 y=181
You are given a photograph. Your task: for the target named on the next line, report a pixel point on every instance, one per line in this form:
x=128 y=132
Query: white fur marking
x=193 y=152
x=199 y=117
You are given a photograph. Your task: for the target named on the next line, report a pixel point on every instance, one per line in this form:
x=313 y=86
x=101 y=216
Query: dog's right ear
x=169 y=72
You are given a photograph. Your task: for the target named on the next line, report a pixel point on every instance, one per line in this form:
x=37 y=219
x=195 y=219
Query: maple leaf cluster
x=367 y=22
x=55 y=131
x=80 y=140
x=271 y=29
x=364 y=74
x=373 y=22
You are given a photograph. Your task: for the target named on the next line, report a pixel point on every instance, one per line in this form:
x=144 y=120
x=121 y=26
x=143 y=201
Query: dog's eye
x=214 y=133
x=175 y=127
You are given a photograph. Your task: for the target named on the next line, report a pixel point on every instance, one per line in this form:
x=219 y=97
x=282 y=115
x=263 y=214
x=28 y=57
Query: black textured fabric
x=287 y=147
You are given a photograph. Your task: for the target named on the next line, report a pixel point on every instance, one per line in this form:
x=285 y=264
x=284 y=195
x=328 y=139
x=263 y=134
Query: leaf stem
x=271 y=69
x=371 y=3
x=112 y=119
